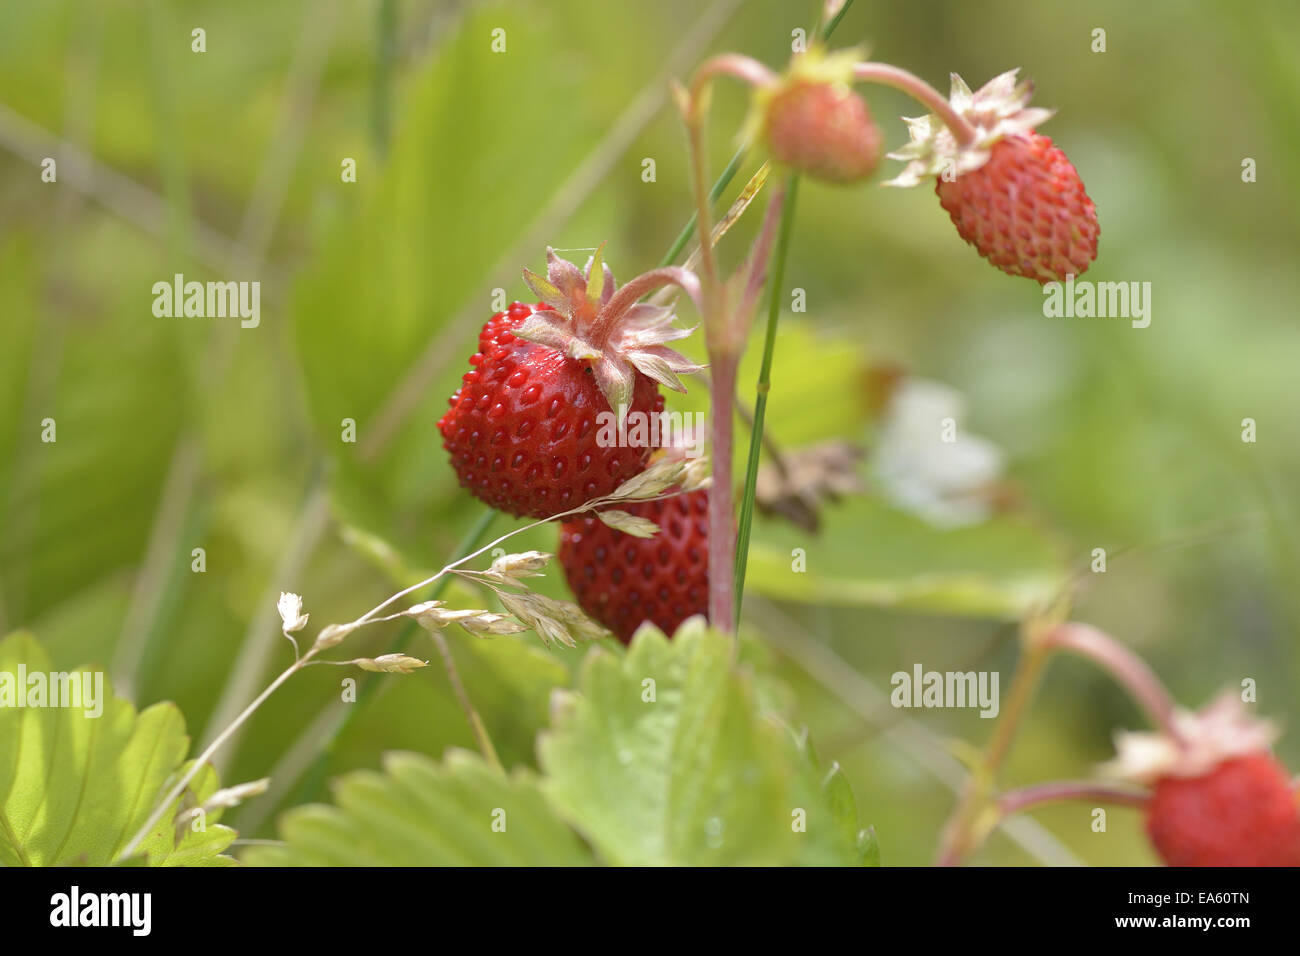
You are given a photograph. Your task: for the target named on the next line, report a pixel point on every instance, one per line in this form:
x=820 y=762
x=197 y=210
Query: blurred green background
x=176 y=434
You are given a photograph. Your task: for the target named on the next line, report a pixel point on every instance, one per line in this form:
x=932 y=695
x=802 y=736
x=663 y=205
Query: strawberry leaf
x=75 y=787
x=869 y=554
x=664 y=757
x=419 y=812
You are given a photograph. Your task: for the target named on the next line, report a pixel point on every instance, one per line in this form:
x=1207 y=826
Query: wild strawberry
x=812 y=121
x=525 y=430
x=501 y=323
x=1025 y=210
x=1241 y=813
x=622 y=580
x=1218 y=797
x=1012 y=195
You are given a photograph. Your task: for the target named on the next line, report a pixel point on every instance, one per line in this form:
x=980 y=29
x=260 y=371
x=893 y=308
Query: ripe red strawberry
x=500 y=324
x=622 y=580
x=1218 y=798
x=1241 y=813
x=1010 y=192
x=813 y=121
x=1025 y=210
x=526 y=431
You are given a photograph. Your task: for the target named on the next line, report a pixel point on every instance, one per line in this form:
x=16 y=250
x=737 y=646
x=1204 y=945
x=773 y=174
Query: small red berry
x=501 y=323
x=1218 y=797
x=622 y=580
x=1241 y=813
x=1025 y=210
x=529 y=429
x=1010 y=192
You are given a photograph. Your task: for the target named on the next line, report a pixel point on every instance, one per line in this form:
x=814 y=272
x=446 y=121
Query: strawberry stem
x=963 y=832
x=1057 y=791
x=726 y=326
x=635 y=289
x=722 y=541
x=1127 y=668
x=919 y=90
x=737 y=65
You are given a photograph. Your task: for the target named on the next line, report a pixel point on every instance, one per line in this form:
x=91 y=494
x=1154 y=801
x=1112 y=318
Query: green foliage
x=869 y=554
x=1119 y=438
x=421 y=813
x=76 y=788
x=700 y=774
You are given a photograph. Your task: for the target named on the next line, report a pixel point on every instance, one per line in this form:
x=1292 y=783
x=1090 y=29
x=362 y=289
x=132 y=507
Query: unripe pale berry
x=823 y=130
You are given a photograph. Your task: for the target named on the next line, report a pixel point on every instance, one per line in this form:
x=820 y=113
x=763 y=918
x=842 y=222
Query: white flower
x=290 y=608
x=946 y=483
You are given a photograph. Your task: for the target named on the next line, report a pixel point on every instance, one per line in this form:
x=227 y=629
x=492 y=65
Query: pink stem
x=1015 y=801
x=921 y=91
x=631 y=293
x=1127 y=668
x=732 y=64
x=722 y=525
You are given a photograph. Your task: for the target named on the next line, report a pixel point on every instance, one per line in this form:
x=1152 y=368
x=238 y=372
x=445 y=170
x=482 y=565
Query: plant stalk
x=921 y=91
x=775 y=280
x=1129 y=670
x=1027 y=798
x=722 y=539
x=961 y=834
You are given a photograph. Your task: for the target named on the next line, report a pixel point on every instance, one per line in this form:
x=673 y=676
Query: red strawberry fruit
x=1241 y=813
x=1012 y=194
x=500 y=324
x=622 y=580
x=528 y=429
x=1025 y=210
x=1218 y=797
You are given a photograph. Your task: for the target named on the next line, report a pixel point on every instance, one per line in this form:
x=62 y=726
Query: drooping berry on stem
x=813 y=122
x=1219 y=798
x=1011 y=193
x=524 y=429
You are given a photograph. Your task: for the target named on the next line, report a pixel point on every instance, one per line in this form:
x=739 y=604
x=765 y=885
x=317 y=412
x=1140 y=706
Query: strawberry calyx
x=1219 y=732
x=607 y=327
x=998 y=109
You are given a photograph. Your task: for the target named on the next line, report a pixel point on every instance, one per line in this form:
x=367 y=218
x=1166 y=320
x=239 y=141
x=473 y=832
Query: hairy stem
x=722 y=540
x=919 y=90
x=636 y=289
x=737 y=65
x=703 y=207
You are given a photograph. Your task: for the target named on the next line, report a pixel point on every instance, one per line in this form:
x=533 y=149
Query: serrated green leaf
x=870 y=554
x=76 y=788
x=698 y=775
x=419 y=812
